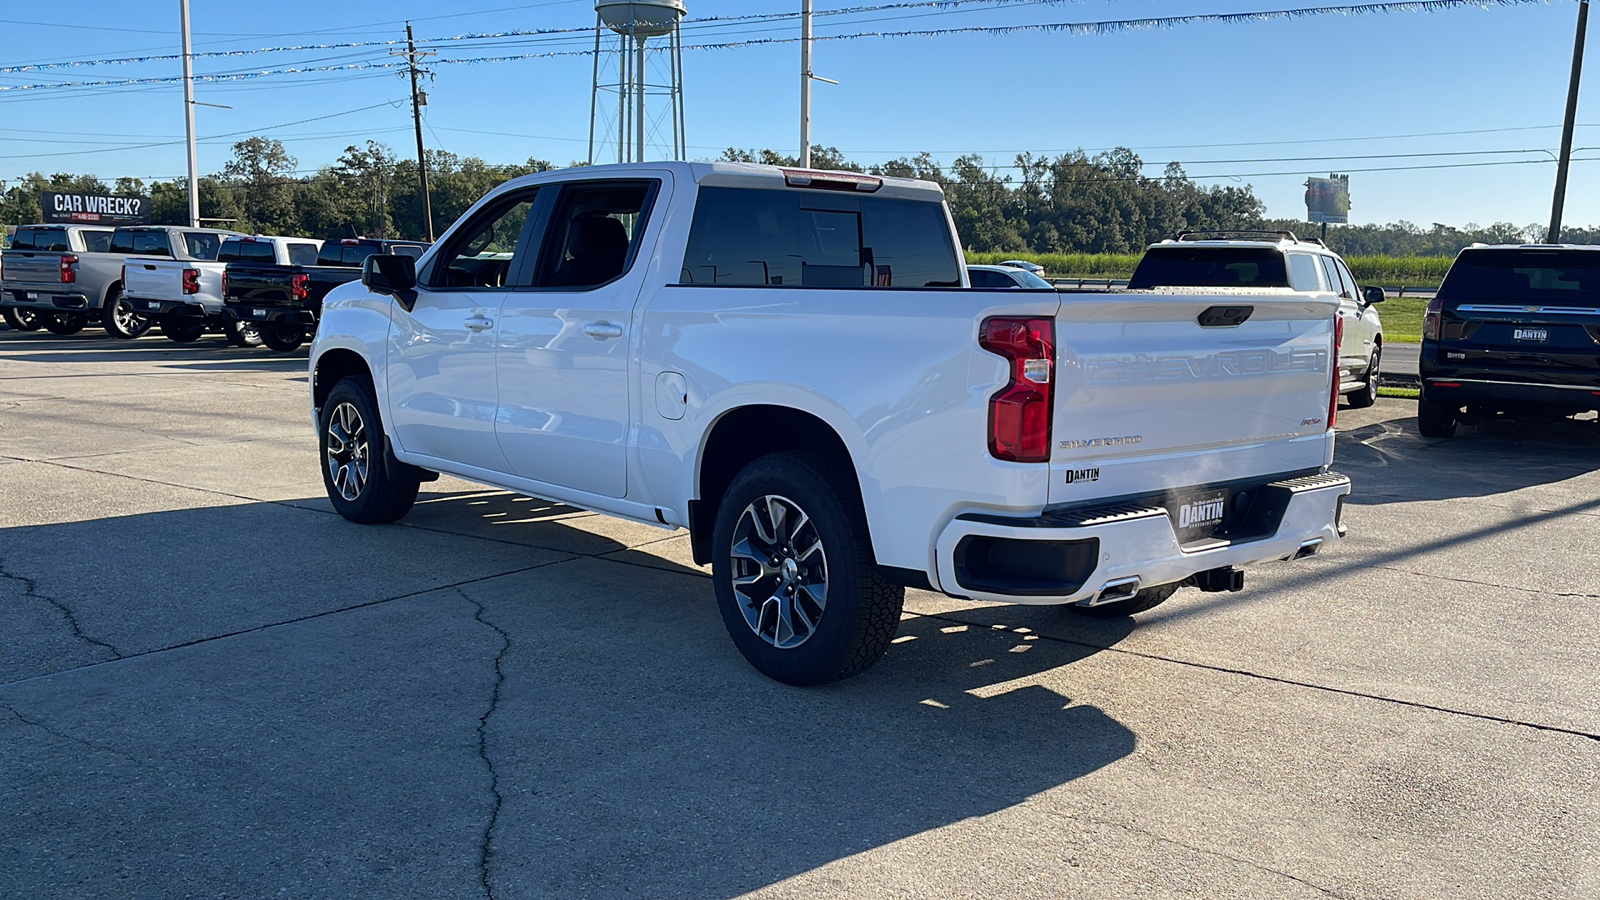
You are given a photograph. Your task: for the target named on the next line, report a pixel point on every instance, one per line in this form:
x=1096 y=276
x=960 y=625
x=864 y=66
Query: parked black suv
x=1514 y=330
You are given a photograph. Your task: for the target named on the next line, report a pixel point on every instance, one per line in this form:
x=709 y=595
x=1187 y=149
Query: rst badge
x=1075 y=476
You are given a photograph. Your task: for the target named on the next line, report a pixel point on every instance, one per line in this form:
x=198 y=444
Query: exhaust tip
x=1114 y=591
x=1308 y=548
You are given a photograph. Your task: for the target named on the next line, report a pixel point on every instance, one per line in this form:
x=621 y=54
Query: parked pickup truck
x=787 y=363
x=1512 y=332
x=184 y=296
x=57 y=276
x=284 y=301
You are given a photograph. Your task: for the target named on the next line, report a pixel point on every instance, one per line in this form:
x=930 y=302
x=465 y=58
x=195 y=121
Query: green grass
x=1400 y=393
x=1390 y=271
x=1402 y=319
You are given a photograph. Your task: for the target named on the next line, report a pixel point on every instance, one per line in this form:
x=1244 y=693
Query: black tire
x=21 y=319
x=1436 y=420
x=184 y=331
x=351 y=443
x=1147 y=599
x=120 y=320
x=852 y=628
x=1368 y=394
x=63 y=323
x=241 y=334
x=283 y=338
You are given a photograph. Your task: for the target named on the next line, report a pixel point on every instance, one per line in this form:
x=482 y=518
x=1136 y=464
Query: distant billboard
x=94 y=209
x=1328 y=199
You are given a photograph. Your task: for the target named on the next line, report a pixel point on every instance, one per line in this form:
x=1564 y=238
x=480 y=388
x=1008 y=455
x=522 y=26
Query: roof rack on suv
x=1206 y=234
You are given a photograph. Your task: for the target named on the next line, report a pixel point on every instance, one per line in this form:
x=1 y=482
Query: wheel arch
x=742 y=435
x=331 y=368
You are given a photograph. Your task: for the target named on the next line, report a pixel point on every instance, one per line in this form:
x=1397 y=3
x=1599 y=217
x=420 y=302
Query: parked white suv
x=785 y=362
x=1277 y=261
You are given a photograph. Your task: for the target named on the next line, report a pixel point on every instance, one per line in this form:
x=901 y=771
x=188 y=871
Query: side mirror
x=1373 y=295
x=393 y=275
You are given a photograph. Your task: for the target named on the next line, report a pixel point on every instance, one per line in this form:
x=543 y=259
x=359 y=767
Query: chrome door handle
x=602 y=330
x=480 y=323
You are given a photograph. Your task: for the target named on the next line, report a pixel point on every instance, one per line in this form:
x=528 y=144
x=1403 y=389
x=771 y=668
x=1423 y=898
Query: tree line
x=1069 y=203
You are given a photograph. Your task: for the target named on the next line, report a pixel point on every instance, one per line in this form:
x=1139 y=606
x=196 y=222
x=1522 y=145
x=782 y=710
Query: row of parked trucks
x=255 y=289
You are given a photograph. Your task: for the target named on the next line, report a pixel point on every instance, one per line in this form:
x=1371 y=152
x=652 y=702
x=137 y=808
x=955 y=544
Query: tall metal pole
x=805 y=84
x=1554 y=235
x=416 y=118
x=594 y=97
x=188 y=118
x=639 y=113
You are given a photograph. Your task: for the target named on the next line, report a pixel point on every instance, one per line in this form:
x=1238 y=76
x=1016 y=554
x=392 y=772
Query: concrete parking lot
x=212 y=686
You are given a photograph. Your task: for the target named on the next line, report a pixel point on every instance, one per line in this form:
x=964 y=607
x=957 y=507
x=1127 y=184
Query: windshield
x=1029 y=280
x=1544 y=277
x=1209 y=267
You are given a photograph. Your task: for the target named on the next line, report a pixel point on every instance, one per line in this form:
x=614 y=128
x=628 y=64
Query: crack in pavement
x=1504 y=587
x=67 y=737
x=30 y=589
x=485 y=846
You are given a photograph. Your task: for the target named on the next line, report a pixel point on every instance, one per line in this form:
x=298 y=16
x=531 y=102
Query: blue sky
x=1239 y=103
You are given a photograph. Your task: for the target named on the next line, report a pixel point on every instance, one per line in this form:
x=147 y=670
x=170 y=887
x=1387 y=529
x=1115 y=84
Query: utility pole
x=419 y=100
x=188 y=118
x=1562 y=164
x=805 y=83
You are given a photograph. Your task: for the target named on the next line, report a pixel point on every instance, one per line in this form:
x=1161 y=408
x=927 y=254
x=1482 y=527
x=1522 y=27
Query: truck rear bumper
x=271 y=315
x=43 y=299
x=1075 y=557
x=174 y=308
x=1486 y=390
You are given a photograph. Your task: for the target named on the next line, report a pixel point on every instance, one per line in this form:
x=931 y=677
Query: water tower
x=621 y=29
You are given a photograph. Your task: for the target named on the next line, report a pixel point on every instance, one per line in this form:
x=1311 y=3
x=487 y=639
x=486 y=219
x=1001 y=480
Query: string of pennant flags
x=1074 y=29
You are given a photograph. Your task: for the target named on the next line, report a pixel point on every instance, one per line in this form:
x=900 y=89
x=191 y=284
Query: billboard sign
x=94 y=209
x=1328 y=199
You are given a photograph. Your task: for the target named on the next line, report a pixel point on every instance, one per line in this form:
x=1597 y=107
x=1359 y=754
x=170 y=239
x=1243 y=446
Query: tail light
x=1430 y=319
x=300 y=285
x=69 y=268
x=224 y=285
x=1333 y=395
x=123 y=276
x=1019 y=415
x=191 y=281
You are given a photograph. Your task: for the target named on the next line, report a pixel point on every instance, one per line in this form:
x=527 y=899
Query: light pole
x=1562 y=164
x=188 y=118
x=805 y=84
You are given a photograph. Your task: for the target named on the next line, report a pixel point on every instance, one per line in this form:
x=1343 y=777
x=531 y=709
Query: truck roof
x=753 y=175
x=1530 y=247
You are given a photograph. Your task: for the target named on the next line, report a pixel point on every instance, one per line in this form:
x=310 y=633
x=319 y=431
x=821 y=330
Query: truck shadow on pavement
x=629 y=749
x=1391 y=462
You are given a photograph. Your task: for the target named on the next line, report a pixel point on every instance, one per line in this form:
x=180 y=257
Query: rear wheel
x=1434 y=419
x=22 y=319
x=796 y=580
x=241 y=334
x=283 y=338
x=120 y=320
x=1146 y=599
x=184 y=331
x=63 y=322
x=1368 y=393
x=359 y=484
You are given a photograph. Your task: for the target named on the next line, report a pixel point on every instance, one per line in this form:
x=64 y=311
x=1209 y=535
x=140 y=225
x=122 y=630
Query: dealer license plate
x=1530 y=334
x=1197 y=515
x=258 y=313
x=33 y=295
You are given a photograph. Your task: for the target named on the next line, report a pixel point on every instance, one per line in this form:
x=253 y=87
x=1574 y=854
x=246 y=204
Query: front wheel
x=283 y=338
x=1434 y=419
x=63 y=322
x=22 y=319
x=120 y=319
x=184 y=331
x=796 y=580
x=359 y=484
x=1368 y=393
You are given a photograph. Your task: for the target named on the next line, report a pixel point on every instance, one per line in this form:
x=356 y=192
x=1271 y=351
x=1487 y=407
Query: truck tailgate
x=260 y=285
x=1542 y=344
x=1149 y=399
x=23 y=267
x=152 y=279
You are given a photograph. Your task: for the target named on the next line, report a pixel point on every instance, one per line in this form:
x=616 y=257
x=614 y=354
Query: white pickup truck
x=790 y=364
x=185 y=296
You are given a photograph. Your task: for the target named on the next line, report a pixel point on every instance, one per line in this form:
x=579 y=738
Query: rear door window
x=1305 y=273
x=42 y=240
x=201 y=245
x=790 y=238
x=1179 y=266
x=593 y=234
x=239 y=250
x=1336 y=281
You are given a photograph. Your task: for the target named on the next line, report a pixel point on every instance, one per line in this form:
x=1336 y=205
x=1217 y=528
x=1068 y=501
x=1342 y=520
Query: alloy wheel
x=779 y=571
x=348 y=451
